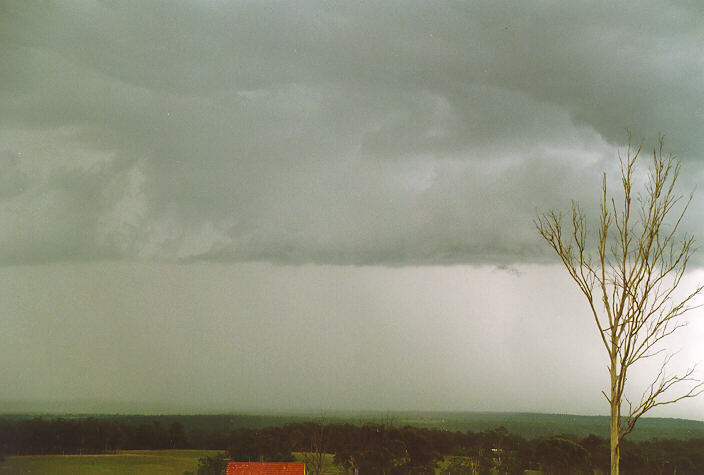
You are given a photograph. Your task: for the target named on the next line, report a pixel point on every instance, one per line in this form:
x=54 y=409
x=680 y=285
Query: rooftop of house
x=266 y=468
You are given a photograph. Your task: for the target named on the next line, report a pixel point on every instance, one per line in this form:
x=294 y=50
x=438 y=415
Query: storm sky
x=329 y=205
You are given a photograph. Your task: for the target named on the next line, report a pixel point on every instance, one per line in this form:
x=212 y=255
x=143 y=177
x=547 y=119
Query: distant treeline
x=371 y=448
x=528 y=425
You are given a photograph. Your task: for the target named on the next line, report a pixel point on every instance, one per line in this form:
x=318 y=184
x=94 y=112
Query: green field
x=329 y=469
x=137 y=462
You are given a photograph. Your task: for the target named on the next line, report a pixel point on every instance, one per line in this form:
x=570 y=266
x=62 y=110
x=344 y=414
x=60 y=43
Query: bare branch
x=630 y=280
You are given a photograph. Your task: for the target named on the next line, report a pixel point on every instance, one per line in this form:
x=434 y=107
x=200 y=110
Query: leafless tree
x=629 y=267
x=315 y=458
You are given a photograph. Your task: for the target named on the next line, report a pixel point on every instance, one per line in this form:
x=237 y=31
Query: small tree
x=315 y=458
x=629 y=271
x=215 y=465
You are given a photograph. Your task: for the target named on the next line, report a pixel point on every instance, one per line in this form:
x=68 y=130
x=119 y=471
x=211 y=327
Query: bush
x=215 y=465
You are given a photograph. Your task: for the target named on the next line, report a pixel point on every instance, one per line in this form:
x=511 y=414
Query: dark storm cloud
x=399 y=136
x=326 y=132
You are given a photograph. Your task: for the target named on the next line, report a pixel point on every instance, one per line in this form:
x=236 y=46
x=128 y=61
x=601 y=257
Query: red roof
x=266 y=468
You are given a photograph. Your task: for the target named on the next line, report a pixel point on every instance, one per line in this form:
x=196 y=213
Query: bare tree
x=315 y=458
x=629 y=269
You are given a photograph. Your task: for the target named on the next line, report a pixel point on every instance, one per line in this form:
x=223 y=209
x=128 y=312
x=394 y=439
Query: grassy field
x=137 y=462
x=329 y=469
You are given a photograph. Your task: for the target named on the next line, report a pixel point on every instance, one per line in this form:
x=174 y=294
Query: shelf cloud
x=329 y=133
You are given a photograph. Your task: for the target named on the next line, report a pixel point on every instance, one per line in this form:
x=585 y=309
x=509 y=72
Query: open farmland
x=137 y=462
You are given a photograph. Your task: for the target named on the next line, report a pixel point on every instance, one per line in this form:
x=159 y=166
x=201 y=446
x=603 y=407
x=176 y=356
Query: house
x=266 y=468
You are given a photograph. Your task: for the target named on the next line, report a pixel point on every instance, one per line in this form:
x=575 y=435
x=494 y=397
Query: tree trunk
x=614 y=423
x=615 y=449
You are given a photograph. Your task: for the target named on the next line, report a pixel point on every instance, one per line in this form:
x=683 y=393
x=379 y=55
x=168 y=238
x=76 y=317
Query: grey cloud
x=13 y=181
x=330 y=133
x=52 y=220
x=398 y=139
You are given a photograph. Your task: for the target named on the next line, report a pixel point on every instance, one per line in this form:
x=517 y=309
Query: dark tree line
x=85 y=436
x=369 y=448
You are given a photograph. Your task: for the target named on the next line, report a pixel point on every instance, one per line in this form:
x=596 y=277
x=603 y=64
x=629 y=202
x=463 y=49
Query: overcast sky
x=261 y=205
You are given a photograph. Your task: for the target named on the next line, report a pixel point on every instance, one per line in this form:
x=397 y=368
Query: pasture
x=137 y=462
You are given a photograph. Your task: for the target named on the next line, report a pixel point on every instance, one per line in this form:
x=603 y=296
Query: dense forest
x=370 y=447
